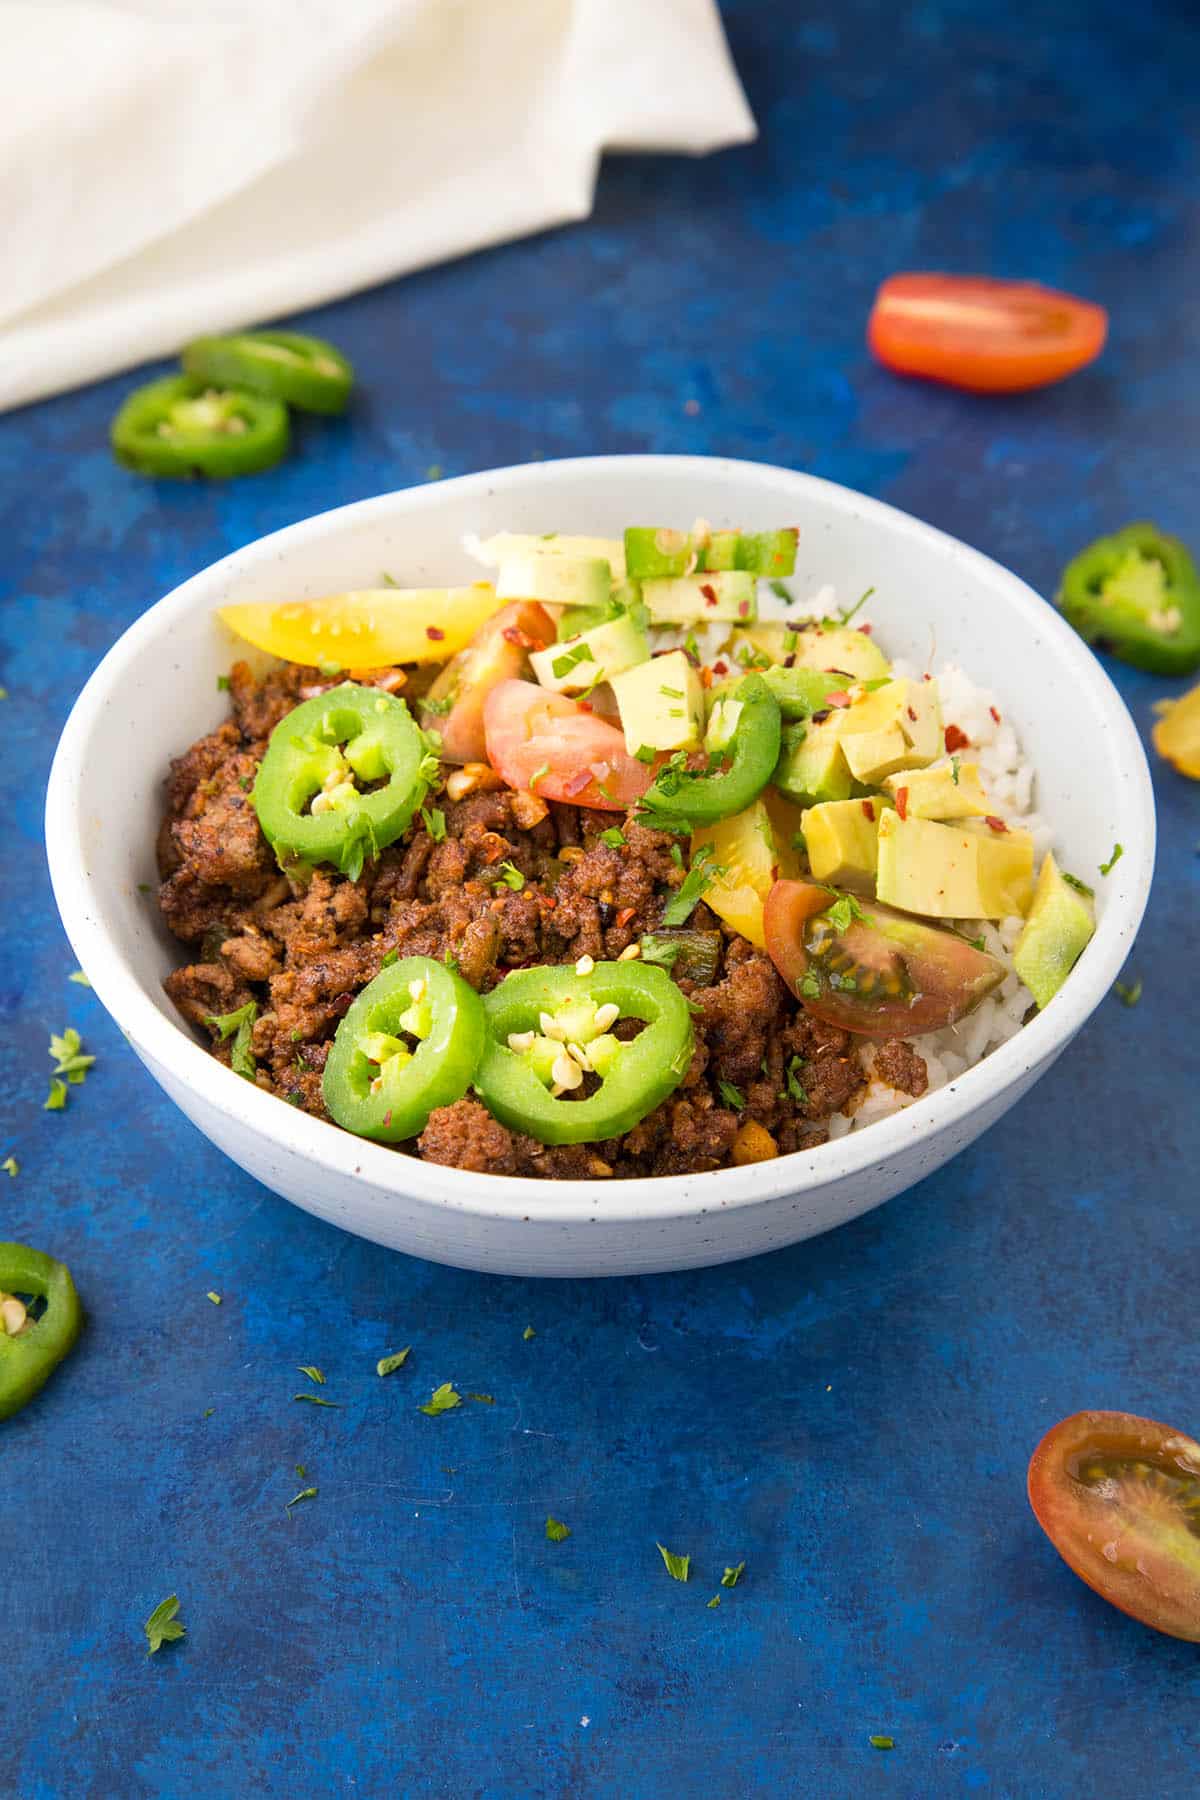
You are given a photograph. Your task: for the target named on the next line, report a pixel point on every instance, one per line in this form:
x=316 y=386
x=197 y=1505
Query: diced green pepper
x=1136 y=593
x=184 y=426
x=306 y=372
x=681 y=799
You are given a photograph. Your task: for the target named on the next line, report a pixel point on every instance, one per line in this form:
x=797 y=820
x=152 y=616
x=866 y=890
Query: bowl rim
x=648 y=1199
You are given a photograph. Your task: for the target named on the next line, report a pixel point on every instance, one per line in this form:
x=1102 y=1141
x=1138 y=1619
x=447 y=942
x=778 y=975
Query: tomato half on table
x=985 y=335
x=1119 y=1498
x=559 y=750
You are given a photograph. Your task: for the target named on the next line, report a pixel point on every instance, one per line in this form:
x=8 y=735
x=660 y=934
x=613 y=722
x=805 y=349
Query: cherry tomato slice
x=879 y=973
x=1119 y=1498
x=498 y=652
x=554 y=746
x=990 y=337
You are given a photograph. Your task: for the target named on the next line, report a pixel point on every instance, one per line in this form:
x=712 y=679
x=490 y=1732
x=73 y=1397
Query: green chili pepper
x=303 y=371
x=28 y=1358
x=410 y=1042
x=527 y=1069
x=802 y=692
x=681 y=798
x=305 y=797
x=183 y=426
x=1137 y=594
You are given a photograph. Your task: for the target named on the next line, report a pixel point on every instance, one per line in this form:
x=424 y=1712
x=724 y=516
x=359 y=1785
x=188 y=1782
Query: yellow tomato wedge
x=1177 y=733
x=372 y=628
x=755 y=849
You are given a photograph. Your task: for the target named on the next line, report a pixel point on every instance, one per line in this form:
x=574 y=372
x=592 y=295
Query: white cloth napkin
x=171 y=168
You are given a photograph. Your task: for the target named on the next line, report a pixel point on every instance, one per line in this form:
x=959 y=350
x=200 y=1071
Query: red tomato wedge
x=879 y=973
x=1119 y=1498
x=499 y=651
x=555 y=747
x=991 y=337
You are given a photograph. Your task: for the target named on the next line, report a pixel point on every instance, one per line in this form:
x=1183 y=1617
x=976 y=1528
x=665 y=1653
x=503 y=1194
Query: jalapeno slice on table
x=1136 y=593
x=410 y=1043
x=306 y=372
x=305 y=795
x=743 y=743
x=550 y=1034
x=31 y=1346
x=183 y=426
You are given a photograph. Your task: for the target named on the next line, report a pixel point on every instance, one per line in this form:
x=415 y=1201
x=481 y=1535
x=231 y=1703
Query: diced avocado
x=703 y=599
x=951 y=791
x=842 y=648
x=661 y=704
x=895 y=727
x=506 y=544
x=801 y=692
x=1056 y=933
x=952 y=872
x=842 y=841
x=562 y=580
x=767 y=553
x=596 y=655
x=811 y=767
x=655 y=551
x=721 y=551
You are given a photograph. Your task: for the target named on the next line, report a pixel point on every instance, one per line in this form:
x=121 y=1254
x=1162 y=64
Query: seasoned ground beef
x=302 y=948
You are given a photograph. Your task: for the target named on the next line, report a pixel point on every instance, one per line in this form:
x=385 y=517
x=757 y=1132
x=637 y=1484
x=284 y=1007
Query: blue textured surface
x=852 y=1417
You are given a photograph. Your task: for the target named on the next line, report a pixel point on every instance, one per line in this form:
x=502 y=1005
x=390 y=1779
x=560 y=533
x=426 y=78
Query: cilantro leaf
x=309 y=1493
x=880 y=1742
x=443 y=1399
x=1129 y=993
x=731 y=1577
x=731 y=1095
x=11 y=1166
x=434 y=820
x=313 y=1373
x=79 y=978
x=614 y=837
x=389 y=957
x=511 y=876
x=695 y=884
x=677 y=1567
x=556 y=1531
x=162 y=1627
x=240 y=1026
x=57 y=1098
x=795 y=1087
x=387 y=1365
x=810 y=986
x=484 y=1399
x=1118 y=851
x=528 y=1333
x=843 y=912
x=715 y=1601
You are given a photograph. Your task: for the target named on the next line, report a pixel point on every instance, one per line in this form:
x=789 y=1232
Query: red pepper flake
x=912 y=715
x=706 y=676
x=512 y=634
x=434 y=633
x=870 y=810
x=387 y=1117
x=548 y=901
x=626 y=913
x=955 y=739
x=341 y=1005
x=576 y=783
x=743 y=609
x=927 y=676
x=995 y=823
x=720 y=668
x=820 y=717
x=841 y=698
x=585 y=706
x=709 y=592
x=994 y=714
x=865 y=628
x=902 y=802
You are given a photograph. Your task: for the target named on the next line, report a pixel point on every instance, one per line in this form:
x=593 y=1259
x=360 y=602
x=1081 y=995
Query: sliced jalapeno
x=183 y=426
x=551 y=1029
x=308 y=804
x=743 y=743
x=410 y=1042
x=1136 y=593
x=306 y=372
x=32 y=1347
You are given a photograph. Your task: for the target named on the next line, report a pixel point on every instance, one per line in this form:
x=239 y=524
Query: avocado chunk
x=730 y=597
x=811 y=767
x=946 y=792
x=842 y=841
x=953 y=872
x=661 y=704
x=898 y=726
x=579 y=663
x=562 y=580
x=1056 y=933
x=506 y=545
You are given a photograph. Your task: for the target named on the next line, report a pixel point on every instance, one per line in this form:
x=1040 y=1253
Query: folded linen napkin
x=168 y=168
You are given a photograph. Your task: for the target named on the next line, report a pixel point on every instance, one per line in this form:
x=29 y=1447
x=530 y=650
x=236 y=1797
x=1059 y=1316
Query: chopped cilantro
x=695 y=884
x=731 y=1095
x=301 y=1471
x=810 y=987
x=562 y=665
x=222 y=684
x=304 y=1494
x=389 y=957
x=387 y=1365
x=781 y=591
x=843 y=912
x=11 y=1166
x=484 y=1399
x=1081 y=887
x=1118 y=851
x=677 y=856
x=208 y=1412
x=528 y=1333
x=144 y=887
x=794 y=1086
x=68 y=1061
x=1129 y=993
x=434 y=820
x=677 y=1566
x=661 y=950
x=79 y=978
x=715 y=1601
x=313 y=1373
x=556 y=1531
x=691 y=646
x=317 y=1400
x=443 y=1399
x=977 y=943
x=162 y=1627
x=439 y=708
x=239 y=1025
x=645 y=754
x=731 y=1577
x=213 y=1296
x=57 y=1098
x=954 y=768
x=451 y=961
x=511 y=876
x=671 y=693
x=614 y=837
x=880 y=1742
x=434 y=472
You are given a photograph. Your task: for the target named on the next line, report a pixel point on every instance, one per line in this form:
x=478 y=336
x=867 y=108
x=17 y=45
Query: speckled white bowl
x=105 y=796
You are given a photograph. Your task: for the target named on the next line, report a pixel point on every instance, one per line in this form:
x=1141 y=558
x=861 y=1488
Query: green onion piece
x=79 y=978
x=1118 y=851
x=309 y=1493
x=316 y=1400
x=528 y=1332
x=313 y=1373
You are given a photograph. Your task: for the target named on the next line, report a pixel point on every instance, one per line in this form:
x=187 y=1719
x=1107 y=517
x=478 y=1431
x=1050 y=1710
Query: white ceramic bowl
x=159 y=682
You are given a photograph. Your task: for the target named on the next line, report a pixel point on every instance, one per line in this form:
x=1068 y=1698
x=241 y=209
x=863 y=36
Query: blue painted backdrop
x=853 y=1417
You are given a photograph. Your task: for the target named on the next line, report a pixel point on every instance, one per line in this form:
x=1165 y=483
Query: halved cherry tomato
x=881 y=973
x=499 y=651
x=991 y=337
x=370 y=628
x=1119 y=1498
x=552 y=745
